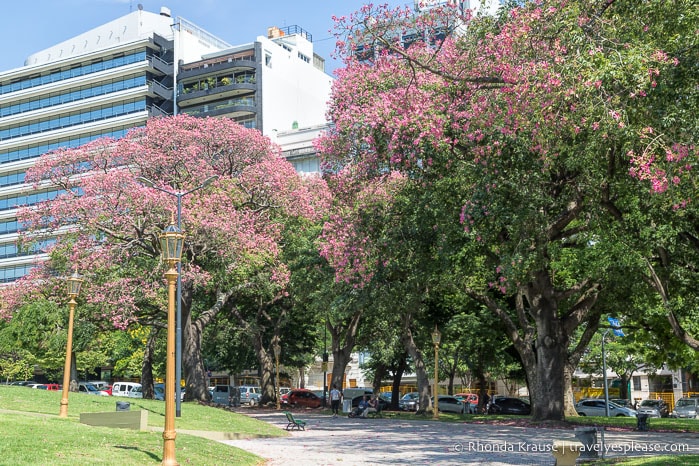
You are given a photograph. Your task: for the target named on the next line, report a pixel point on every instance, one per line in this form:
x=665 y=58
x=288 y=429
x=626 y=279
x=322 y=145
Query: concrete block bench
x=137 y=420
x=566 y=452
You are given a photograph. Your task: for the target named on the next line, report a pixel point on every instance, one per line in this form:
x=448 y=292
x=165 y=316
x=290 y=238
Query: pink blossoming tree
x=536 y=116
x=107 y=224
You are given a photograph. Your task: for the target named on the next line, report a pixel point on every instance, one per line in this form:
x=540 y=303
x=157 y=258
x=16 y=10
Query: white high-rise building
x=115 y=77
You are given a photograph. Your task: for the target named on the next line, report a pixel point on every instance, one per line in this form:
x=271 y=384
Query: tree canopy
x=532 y=122
x=106 y=223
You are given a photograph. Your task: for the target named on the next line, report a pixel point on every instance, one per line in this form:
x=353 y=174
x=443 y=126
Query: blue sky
x=39 y=24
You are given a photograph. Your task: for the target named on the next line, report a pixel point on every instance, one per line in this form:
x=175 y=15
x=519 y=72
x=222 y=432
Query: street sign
x=616 y=327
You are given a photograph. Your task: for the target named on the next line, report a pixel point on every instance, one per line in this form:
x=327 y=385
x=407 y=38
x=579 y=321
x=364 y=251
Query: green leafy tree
x=17 y=365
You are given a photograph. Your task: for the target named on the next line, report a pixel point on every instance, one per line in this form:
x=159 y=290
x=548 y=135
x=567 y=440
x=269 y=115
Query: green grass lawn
x=654 y=424
x=37 y=435
x=681 y=460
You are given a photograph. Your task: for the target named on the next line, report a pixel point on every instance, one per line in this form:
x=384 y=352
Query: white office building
x=116 y=76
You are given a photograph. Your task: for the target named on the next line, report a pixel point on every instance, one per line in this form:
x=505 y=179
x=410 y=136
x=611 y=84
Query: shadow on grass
x=147 y=453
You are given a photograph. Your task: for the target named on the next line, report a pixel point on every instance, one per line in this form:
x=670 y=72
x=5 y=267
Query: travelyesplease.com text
x=527 y=447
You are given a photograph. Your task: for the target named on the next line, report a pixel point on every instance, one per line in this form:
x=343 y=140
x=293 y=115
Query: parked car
x=653 y=408
x=54 y=387
x=123 y=388
x=283 y=390
x=686 y=408
x=136 y=392
x=622 y=402
x=88 y=388
x=249 y=395
x=39 y=386
x=595 y=407
x=508 y=405
x=409 y=402
x=450 y=404
x=301 y=397
x=101 y=384
x=226 y=395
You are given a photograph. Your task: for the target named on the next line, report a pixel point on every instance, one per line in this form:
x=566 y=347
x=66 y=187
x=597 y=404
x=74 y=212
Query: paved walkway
x=350 y=442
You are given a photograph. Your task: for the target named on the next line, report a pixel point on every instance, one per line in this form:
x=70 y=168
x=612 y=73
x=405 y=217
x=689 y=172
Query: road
x=350 y=442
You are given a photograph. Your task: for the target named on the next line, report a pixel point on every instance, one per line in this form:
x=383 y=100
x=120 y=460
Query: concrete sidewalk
x=349 y=442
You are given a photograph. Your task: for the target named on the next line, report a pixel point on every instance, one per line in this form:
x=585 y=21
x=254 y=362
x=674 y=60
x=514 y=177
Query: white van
x=225 y=395
x=124 y=388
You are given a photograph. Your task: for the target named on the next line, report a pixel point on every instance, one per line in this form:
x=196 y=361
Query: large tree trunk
x=302 y=377
x=379 y=374
x=548 y=372
x=397 y=376
x=267 y=367
x=624 y=387
x=192 y=363
x=483 y=397
x=147 y=368
x=569 y=400
x=453 y=367
x=423 y=382
x=342 y=343
x=541 y=334
x=341 y=357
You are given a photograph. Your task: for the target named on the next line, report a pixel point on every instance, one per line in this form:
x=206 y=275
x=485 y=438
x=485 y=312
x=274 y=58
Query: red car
x=301 y=397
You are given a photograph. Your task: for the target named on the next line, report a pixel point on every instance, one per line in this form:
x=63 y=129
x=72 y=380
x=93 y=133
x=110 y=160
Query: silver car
x=450 y=404
x=686 y=407
x=595 y=407
x=653 y=408
x=409 y=402
x=250 y=395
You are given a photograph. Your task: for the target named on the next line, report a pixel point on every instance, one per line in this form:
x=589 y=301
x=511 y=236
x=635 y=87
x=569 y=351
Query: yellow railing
x=589 y=392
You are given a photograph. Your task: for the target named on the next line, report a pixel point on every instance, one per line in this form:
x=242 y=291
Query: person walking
x=335 y=396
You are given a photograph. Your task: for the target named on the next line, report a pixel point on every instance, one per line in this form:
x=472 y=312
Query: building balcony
x=194 y=96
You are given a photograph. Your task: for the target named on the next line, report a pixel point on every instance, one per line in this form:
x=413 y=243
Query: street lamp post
x=436 y=337
x=171 y=242
x=74 y=283
x=604 y=375
x=325 y=361
x=277 y=350
x=178 y=344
